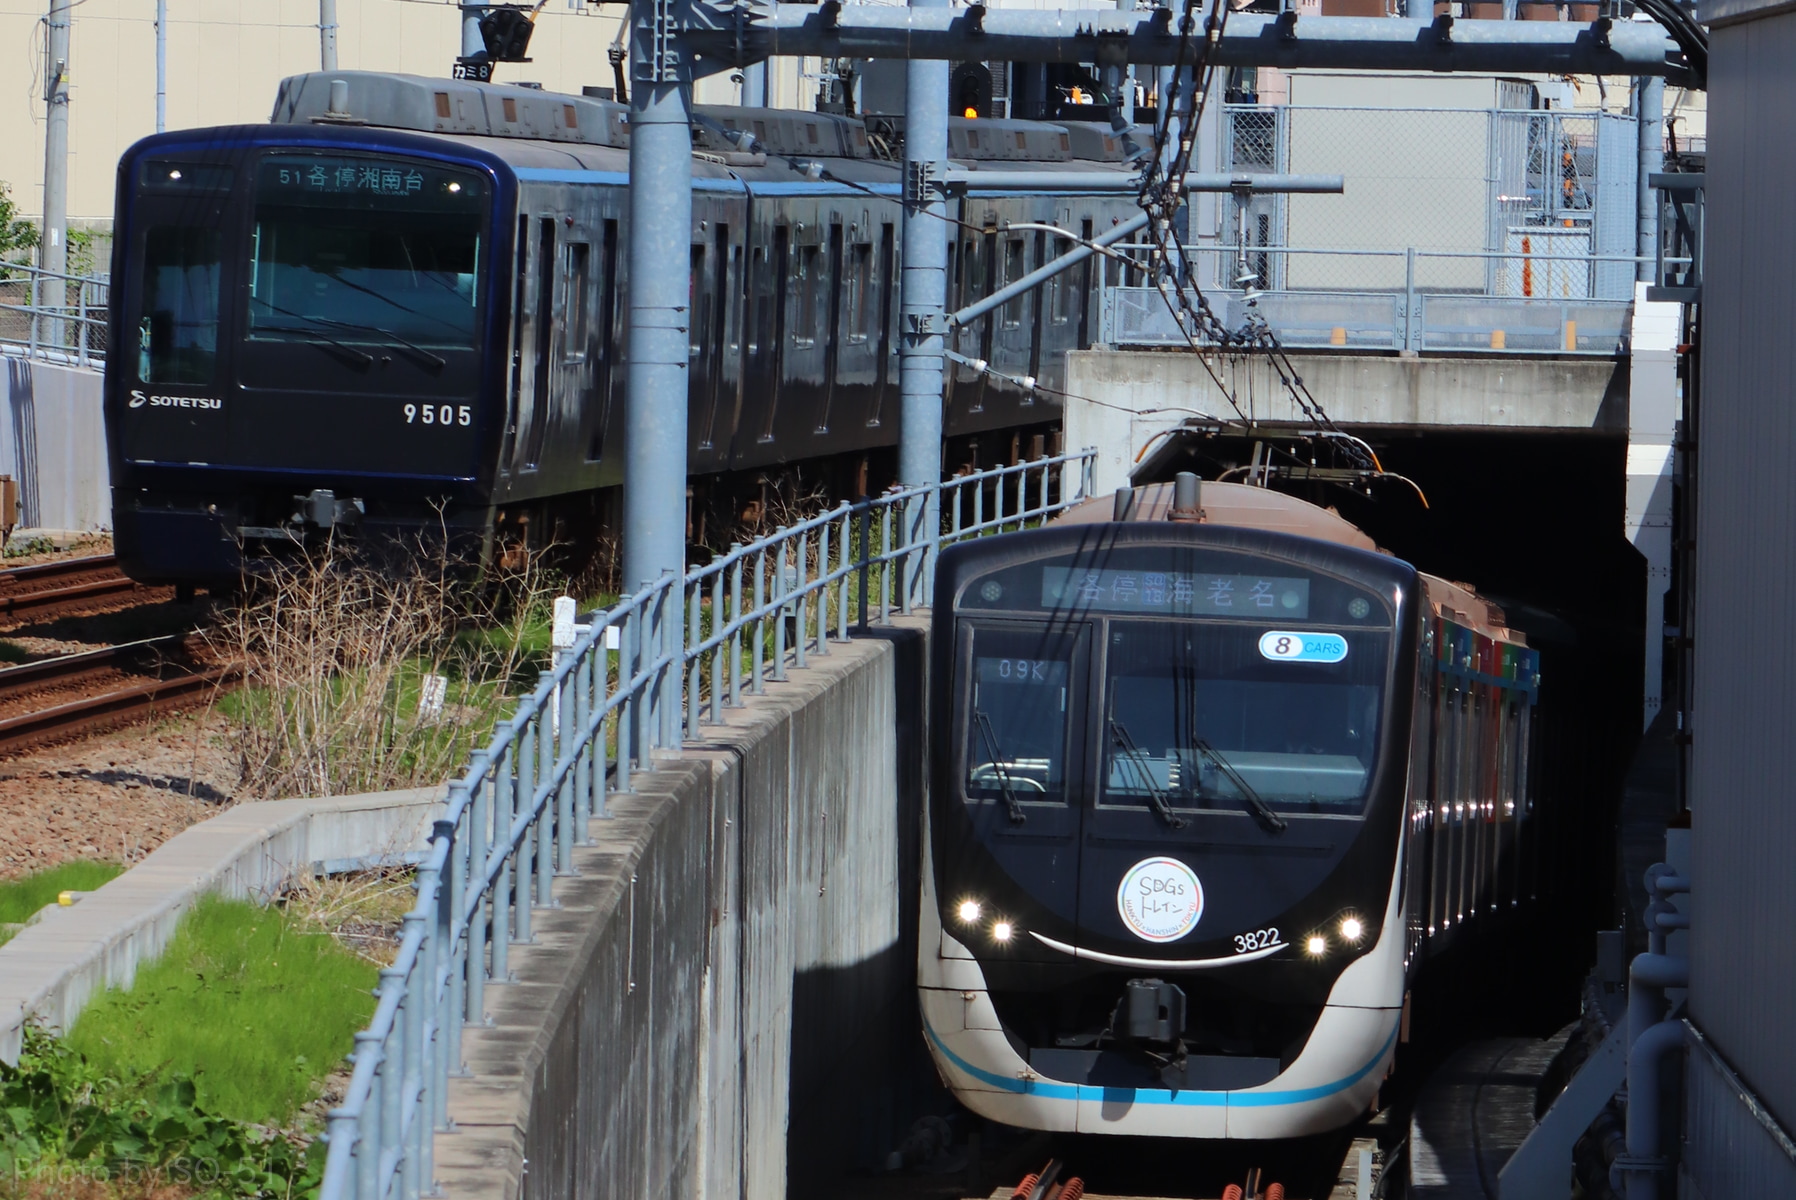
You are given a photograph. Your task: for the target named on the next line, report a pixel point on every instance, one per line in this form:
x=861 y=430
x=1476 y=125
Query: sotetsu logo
x=139 y=399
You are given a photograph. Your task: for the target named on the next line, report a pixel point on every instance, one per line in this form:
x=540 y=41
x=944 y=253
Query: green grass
x=253 y=1007
x=20 y=898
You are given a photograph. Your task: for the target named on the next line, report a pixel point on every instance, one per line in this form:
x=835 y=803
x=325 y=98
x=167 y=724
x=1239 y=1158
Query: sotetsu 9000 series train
x=1215 y=779
x=399 y=306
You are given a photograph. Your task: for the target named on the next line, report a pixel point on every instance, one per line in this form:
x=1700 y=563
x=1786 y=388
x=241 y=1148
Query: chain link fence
x=51 y=316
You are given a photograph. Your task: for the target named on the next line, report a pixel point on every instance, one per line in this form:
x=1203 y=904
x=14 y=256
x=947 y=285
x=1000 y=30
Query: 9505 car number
x=1259 y=939
x=439 y=414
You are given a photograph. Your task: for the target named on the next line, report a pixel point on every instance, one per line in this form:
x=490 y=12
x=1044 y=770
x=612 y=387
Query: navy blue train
x=396 y=309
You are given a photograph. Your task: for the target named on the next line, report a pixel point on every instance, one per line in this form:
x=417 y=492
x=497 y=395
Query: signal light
x=506 y=32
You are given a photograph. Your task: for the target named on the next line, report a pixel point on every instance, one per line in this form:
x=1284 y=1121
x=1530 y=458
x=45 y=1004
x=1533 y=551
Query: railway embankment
x=52 y=967
x=721 y=1001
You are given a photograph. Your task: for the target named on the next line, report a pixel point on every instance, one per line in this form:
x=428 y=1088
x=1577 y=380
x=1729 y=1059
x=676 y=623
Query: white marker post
x=562 y=632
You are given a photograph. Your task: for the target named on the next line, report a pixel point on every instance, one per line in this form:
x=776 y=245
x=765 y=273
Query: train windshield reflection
x=366 y=251
x=1194 y=711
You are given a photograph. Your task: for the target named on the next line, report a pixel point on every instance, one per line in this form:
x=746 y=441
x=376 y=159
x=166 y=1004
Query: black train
x=402 y=313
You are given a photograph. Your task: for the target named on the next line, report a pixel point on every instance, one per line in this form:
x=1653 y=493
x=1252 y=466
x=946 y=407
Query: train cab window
x=178 y=335
x=1019 y=705
x=1197 y=716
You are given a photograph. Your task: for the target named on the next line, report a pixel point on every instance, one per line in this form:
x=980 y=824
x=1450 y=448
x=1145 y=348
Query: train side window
x=578 y=302
x=860 y=270
x=607 y=343
x=1016 y=311
x=1060 y=293
x=178 y=336
x=544 y=316
x=696 y=310
x=804 y=316
x=888 y=282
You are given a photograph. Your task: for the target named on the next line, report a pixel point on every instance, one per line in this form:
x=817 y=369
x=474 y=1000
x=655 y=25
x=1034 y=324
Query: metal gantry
x=674 y=42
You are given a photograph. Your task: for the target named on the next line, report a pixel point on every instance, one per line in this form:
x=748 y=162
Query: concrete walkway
x=55 y=965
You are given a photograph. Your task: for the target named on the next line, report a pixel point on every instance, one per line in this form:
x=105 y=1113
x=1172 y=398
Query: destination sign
x=1175 y=593
x=309 y=178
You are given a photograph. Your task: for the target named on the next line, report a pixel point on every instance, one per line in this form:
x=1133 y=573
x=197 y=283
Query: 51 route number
x=439 y=414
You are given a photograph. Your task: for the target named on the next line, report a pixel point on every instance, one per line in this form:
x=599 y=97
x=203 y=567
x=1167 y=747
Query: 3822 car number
x=439 y=414
x=1259 y=939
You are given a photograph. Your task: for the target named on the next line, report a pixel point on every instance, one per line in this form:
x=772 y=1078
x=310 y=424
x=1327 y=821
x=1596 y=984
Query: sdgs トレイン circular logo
x=1160 y=899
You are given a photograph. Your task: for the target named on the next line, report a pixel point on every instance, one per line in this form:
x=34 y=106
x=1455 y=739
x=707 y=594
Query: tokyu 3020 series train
x=398 y=311
x=1216 y=778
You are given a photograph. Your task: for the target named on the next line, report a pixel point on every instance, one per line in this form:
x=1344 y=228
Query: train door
x=1021 y=765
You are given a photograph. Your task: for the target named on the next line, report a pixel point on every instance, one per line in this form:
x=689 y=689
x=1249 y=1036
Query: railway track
x=54 y=588
x=76 y=694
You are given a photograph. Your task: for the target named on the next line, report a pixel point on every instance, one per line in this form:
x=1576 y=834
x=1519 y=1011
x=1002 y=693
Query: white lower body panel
x=1332 y=1082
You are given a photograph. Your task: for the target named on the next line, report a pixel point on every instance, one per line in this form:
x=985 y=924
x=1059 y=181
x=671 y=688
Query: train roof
x=509 y=114
x=1245 y=506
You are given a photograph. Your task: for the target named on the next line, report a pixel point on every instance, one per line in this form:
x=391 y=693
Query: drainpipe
x=1637 y=1175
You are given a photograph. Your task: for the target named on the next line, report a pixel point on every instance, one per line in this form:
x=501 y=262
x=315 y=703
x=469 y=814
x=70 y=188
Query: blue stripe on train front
x=1197 y=1099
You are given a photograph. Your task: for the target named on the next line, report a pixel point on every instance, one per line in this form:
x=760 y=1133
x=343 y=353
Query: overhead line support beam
x=1146 y=37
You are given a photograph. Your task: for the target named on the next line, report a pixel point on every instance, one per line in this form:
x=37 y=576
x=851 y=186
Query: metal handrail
x=510 y=824
x=70 y=331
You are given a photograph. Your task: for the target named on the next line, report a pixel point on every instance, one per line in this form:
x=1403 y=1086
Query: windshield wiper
x=436 y=359
x=1249 y=797
x=1156 y=797
x=983 y=724
x=314 y=338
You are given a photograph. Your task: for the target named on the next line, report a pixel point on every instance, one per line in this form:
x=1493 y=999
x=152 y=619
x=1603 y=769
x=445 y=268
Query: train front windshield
x=1196 y=714
x=365 y=250
x=1229 y=686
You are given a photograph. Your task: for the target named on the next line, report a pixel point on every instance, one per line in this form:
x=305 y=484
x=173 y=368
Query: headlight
x=1317 y=945
x=1352 y=929
x=1002 y=931
x=968 y=911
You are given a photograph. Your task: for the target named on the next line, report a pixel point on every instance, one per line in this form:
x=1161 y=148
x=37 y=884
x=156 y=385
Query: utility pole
x=655 y=414
x=161 y=65
x=327 y=35
x=923 y=298
x=471 y=41
x=53 y=246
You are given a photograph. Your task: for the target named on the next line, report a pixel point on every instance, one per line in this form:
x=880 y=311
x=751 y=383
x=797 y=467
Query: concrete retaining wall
x=53 y=967
x=53 y=441
x=731 y=971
